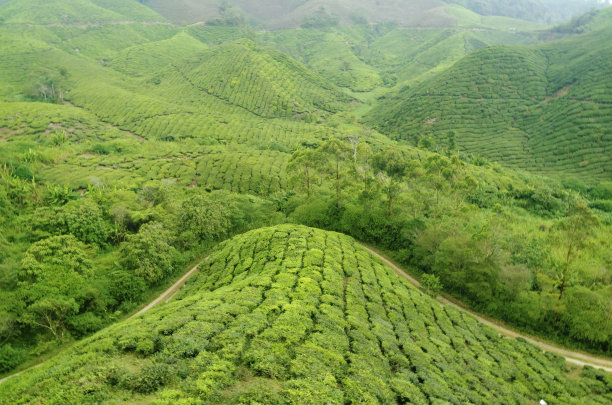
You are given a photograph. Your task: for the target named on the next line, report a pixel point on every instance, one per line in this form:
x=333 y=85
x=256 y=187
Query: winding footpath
x=170 y=292
x=573 y=357
x=165 y=296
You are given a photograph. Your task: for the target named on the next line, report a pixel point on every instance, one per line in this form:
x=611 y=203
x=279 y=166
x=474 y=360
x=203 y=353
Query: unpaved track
x=578 y=358
x=165 y=296
x=170 y=292
x=573 y=357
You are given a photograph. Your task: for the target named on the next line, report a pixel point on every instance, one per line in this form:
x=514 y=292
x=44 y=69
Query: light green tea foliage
x=137 y=145
x=543 y=108
x=296 y=315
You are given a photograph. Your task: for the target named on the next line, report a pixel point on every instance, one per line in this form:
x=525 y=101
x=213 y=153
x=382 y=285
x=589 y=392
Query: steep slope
x=545 y=108
x=296 y=315
x=262 y=81
x=75 y=11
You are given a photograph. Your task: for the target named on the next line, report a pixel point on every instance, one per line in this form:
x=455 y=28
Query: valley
x=467 y=142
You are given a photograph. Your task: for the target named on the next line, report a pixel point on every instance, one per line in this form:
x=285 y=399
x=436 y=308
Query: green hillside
x=544 y=109
x=297 y=315
x=234 y=72
x=45 y=12
x=373 y=58
x=130 y=147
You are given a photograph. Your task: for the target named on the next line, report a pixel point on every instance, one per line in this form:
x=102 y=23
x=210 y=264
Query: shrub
x=10 y=357
x=432 y=284
x=150 y=378
x=148 y=253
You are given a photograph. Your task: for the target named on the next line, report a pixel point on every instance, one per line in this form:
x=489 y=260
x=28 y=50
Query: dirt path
x=578 y=358
x=170 y=292
x=165 y=296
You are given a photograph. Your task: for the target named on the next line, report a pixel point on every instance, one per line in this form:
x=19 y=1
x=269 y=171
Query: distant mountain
x=277 y=14
x=544 y=11
x=546 y=108
x=294 y=13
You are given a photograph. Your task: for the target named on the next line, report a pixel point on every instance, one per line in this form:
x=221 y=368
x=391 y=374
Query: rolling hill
x=74 y=11
x=233 y=72
x=545 y=11
x=291 y=314
x=114 y=123
x=543 y=108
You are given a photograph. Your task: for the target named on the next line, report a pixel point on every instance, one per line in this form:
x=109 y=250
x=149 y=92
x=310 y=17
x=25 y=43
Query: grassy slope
x=274 y=305
x=75 y=11
x=234 y=72
x=368 y=59
x=513 y=104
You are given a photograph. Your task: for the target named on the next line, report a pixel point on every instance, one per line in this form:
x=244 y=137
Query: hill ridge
x=289 y=312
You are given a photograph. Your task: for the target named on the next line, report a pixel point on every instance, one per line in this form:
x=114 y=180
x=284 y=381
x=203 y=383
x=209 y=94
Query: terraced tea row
x=296 y=315
x=525 y=107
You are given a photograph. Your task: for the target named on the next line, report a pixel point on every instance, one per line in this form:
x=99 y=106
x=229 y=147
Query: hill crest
x=292 y=314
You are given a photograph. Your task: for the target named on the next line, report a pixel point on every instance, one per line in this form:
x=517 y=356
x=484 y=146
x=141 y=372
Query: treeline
x=533 y=255
x=72 y=263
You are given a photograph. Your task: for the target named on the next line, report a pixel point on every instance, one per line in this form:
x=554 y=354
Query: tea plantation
x=544 y=108
x=291 y=314
x=130 y=146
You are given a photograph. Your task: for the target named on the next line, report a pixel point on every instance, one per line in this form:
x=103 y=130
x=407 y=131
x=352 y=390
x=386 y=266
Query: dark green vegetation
x=296 y=315
x=545 y=108
x=129 y=146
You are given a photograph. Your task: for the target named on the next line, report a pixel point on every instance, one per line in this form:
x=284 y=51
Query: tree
x=573 y=233
x=439 y=172
x=51 y=313
x=393 y=168
x=84 y=219
x=432 y=284
x=51 y=278
x=203 y=219
x=461 y=183
x=338 y=150
x=148 y=253
x=362 y=155
x=305 y=163
x=584 y=309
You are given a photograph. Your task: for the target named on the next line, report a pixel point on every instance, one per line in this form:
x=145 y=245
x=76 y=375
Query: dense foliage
x=296 y=315
x=516 y=250
x=130 y=146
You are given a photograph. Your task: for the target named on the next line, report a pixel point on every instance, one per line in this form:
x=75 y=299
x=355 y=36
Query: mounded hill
x=296 y=315
x=543 y=108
